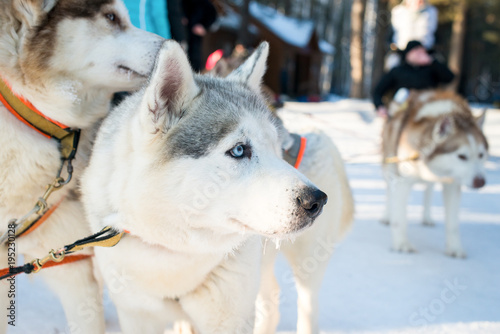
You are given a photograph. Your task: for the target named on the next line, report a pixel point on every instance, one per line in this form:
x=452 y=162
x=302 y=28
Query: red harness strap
x=42 y=219
x=66 y=260
x=302 y=150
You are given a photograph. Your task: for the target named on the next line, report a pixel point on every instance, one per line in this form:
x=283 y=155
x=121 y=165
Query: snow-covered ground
x=367 y=288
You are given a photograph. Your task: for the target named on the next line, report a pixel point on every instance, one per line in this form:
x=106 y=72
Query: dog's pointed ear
x=253 y=69
x=171 y=87
x=481 y=118
x=443 y=129
x=30 y=12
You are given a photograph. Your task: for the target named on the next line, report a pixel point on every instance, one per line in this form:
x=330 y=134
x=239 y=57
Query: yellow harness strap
x=32 y=117
x=396 y=160
x=68 y=141
x=107 y=237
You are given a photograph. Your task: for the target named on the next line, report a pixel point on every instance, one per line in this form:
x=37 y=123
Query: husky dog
x=310 y=252
x=191 y=166
x=67 y=58
x=434 y=138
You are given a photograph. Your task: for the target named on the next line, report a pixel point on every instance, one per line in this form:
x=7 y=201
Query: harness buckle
x=69 y=169
x=53 y=256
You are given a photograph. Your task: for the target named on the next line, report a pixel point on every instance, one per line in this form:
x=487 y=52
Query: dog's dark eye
x=463 y=157
x=110 y=16
x=240 y=151
x=481 y=155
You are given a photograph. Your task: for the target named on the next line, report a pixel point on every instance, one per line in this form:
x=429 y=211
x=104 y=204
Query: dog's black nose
x=312 y=201
x=478 y=182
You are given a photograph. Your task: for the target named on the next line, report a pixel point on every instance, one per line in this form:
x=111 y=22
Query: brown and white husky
x=434 y=137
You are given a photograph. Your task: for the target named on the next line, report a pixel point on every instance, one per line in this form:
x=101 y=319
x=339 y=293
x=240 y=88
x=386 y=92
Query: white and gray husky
x=433 y=138
x=191 y=166
x=67 y=58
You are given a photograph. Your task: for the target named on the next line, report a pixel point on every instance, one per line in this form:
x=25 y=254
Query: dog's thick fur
x=310 y=252
x=452 y=149
x=192 y=167
x=67 y=57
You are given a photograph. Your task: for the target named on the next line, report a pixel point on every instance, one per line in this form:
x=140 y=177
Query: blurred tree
x=383 y=28
x=457 y=41
x=341 y=66
x=243 y=34
x=357 y=50
x=468 y=36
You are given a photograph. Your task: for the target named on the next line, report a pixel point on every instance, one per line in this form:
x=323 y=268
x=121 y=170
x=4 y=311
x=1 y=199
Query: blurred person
x=149 y=15
x=419 y=70
x=175 y=18
x=411 y=20
x=414 y=20
x=199 y=16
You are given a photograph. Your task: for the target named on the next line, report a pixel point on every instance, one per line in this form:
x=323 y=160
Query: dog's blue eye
x=238 y=151
x=110 y=16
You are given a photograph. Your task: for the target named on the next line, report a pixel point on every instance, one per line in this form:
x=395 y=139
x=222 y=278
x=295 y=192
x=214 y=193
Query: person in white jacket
x=414 y=20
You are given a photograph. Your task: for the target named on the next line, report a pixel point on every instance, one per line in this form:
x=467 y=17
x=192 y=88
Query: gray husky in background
x=191 y=166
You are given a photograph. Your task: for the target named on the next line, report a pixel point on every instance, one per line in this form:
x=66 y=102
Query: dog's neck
x=66 y=101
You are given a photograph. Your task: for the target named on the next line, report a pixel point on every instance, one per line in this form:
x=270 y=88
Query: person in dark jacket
x=418 y=71
x=200 y=15
x=177 y=28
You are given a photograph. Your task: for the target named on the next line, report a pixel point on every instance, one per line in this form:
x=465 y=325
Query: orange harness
x=67 y=259
x=11 y=100
x=49 y=128
x=23 y=110
x=40 y=220
x=295 y=153
x=302 y=150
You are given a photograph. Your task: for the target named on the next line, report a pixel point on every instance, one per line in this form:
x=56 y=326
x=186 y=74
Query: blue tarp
x=150 y=15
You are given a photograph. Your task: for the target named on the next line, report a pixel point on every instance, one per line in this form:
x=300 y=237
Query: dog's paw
x=403 y=247
x=456 y=252
x=183 y=327
x=428 y=223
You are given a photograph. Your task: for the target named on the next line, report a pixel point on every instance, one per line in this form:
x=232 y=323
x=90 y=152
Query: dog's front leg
x=400 y=190
x=386 y=218
x=451 y=198
x=80 y=296
x=225 y=302
x=267 y=305
x=427 y=219
x=390 y=176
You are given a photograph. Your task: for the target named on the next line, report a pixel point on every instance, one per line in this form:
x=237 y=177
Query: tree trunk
x=311 y=10
x=356 y=48
x=288 y=7
x=457 y=42
x=243 y=34
x=338 y=61
x=381 y=48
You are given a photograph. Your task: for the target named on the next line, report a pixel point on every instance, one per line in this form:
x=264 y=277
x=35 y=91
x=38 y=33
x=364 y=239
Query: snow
x=293 y=31
x=368 y=289
x=326 y=47
x=232 y=20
